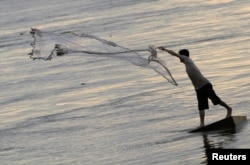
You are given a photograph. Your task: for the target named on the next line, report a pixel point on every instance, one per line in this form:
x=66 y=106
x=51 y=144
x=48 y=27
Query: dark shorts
x=203 y=94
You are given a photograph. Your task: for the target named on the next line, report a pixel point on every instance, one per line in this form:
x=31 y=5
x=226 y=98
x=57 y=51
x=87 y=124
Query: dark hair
x=184 y=52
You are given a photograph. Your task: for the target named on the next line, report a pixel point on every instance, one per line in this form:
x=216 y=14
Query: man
x=203 y=87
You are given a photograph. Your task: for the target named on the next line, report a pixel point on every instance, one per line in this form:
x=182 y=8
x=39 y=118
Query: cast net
x=48 y=45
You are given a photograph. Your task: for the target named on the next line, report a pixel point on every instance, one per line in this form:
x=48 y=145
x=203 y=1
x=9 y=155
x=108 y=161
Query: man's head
x=184 y=52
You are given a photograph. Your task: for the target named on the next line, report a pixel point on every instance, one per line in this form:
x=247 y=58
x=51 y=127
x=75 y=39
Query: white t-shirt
x=194 y=73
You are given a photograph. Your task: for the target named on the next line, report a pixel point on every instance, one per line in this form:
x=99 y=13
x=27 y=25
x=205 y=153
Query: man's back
x=194 y=73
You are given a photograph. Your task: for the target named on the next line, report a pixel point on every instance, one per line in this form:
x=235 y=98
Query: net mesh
x=49 y=45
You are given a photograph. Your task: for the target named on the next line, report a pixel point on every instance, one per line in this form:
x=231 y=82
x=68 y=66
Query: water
x=123 y=114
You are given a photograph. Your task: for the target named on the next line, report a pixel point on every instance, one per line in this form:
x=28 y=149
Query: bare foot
x=201 y=126
x=229 y=112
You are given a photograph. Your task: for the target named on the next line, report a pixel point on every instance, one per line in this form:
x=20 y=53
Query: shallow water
x=123 y=114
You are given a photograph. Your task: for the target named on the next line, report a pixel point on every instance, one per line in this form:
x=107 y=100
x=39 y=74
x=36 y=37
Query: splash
x=49 y=45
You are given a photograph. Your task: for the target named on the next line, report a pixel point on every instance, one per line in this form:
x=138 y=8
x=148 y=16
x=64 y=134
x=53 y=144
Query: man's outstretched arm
x=171 y=52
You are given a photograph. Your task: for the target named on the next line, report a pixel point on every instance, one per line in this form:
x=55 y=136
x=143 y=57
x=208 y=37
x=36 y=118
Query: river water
x=89 y=111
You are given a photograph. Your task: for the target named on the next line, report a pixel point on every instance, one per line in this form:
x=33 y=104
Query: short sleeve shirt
x=198 y=80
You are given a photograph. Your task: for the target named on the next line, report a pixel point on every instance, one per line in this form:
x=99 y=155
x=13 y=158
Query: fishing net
x=49 y=45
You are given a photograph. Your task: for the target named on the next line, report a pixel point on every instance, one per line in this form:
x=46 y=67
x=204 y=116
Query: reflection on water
x=219 y=140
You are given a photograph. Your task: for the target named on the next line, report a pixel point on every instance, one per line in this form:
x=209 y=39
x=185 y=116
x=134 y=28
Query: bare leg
x=229 y=109
x=202 y=117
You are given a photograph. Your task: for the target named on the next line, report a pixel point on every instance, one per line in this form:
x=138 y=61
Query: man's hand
x=161 y=48
x=171 y=52
x=164 y=49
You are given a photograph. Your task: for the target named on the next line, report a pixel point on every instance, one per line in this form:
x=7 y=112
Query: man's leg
x=202 y=104
x=202 y=117
x=229 y=109
x=216 y=100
